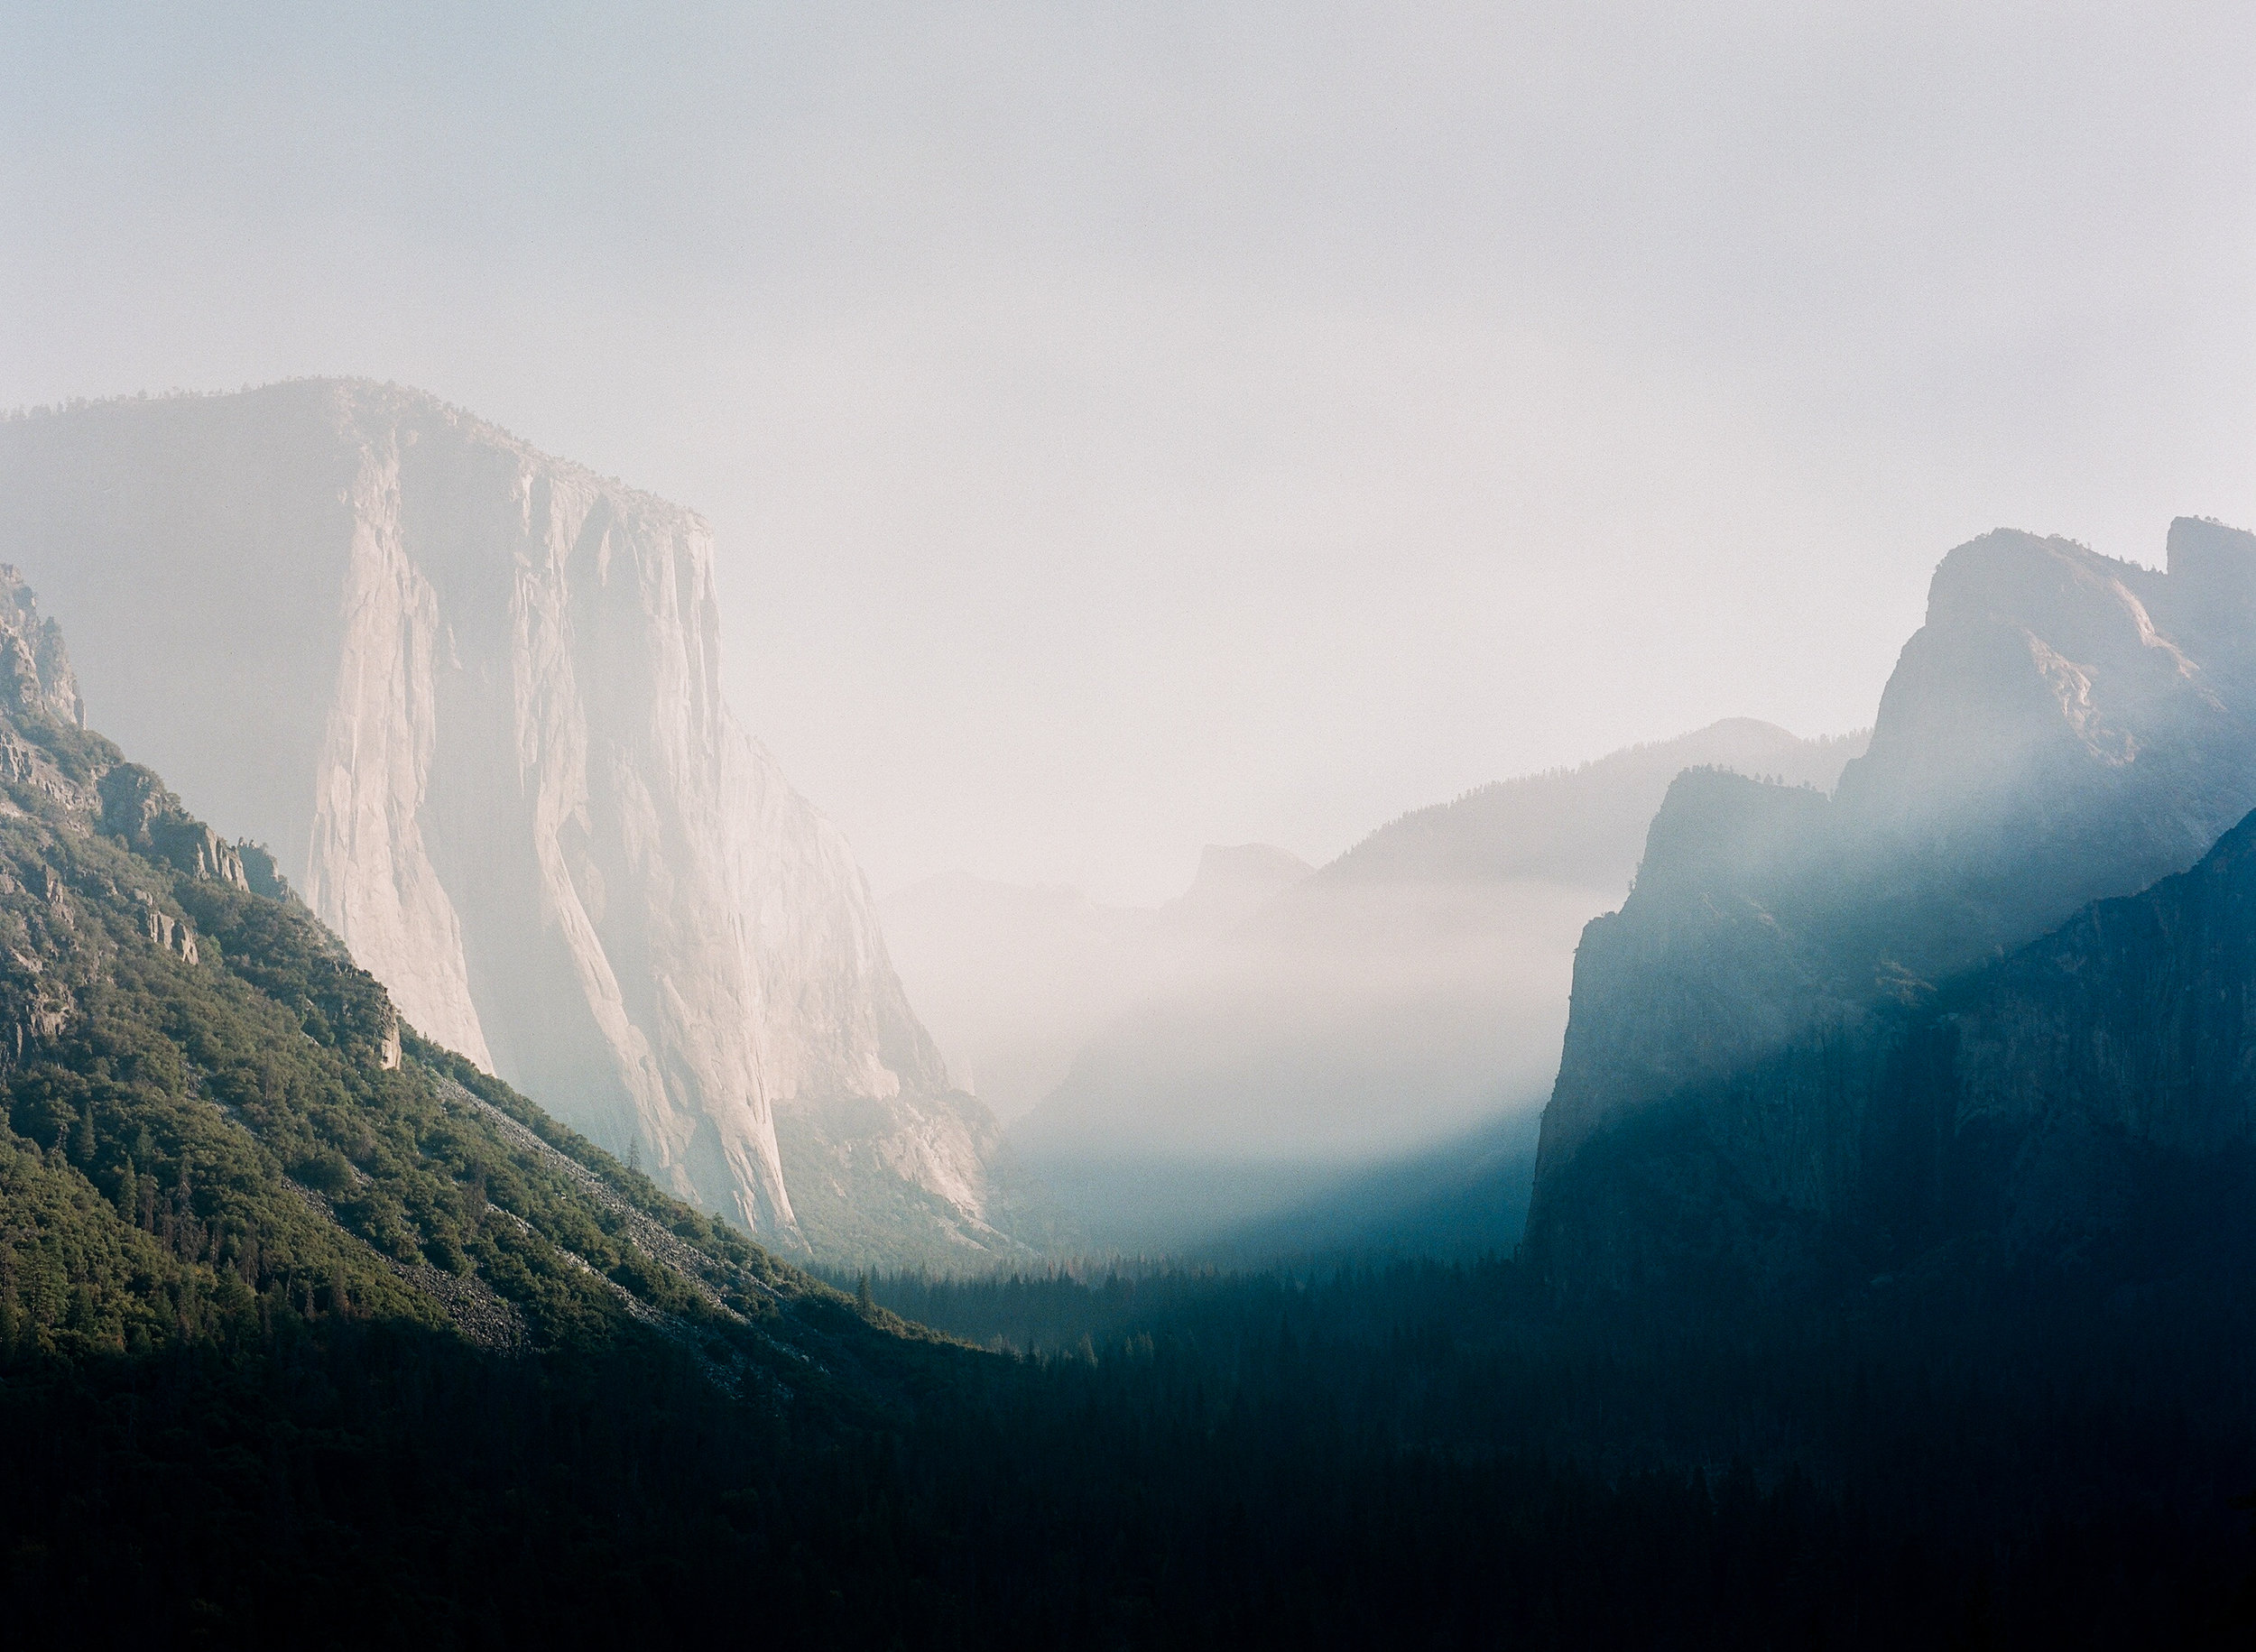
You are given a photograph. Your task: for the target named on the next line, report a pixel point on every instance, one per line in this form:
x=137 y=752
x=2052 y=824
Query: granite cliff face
x=2087 y=1101
x=2064 y=728
x=471 y=696
x=35 y=674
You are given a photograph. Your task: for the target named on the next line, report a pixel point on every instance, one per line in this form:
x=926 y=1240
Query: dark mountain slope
x=2088 y=1103
x=2064 y=728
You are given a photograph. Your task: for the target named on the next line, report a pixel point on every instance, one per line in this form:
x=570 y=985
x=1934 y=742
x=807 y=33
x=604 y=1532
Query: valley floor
x=1413 y=1455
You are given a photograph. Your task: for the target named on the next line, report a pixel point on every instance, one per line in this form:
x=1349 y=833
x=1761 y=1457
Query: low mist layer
x=1410 y=992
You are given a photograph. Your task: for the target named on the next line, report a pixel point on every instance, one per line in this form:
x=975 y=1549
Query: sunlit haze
x=1158 y=826
x=1134 y=428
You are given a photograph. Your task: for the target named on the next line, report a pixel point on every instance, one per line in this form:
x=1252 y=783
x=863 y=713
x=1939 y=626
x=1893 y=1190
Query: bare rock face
x=2064 y=728
x=35 y=671
x=471 y=694
x=46 y=749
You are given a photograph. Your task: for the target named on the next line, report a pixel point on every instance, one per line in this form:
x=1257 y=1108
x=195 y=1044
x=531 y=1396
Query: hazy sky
x=1136 y=427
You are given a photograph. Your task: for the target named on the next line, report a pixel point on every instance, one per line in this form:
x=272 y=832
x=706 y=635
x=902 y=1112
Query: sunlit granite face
x=471 y=694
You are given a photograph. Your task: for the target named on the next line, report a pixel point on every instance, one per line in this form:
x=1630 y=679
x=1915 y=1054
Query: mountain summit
x=471 y=694
x=2064 y=728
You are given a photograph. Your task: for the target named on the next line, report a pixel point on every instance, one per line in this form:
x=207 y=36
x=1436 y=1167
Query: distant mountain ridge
x=471 y=694
x=1583 y=823
x=2064 y=728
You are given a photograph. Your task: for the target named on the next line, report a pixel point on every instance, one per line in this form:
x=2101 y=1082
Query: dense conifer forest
x=1415 y=1456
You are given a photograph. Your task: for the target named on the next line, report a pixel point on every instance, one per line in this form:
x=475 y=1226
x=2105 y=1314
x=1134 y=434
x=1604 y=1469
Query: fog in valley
x=1137 y=459
x=984 y=825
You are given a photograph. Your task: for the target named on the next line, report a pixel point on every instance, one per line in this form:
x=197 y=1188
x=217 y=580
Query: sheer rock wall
x=470 y=695
x=2064 y=727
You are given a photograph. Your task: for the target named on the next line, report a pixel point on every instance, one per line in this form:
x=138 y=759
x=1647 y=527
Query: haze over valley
x=468 y=695
x=971 y=825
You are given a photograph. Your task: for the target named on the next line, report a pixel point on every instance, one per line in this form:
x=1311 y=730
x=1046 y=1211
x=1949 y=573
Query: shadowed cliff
x=1760 y=1041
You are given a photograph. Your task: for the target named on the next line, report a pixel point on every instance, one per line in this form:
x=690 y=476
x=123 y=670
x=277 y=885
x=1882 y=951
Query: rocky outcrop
x=137 y=808
x=35 y=674
x=43 y=745
x=46 y=752
x=471 y=693
x=2064 y=728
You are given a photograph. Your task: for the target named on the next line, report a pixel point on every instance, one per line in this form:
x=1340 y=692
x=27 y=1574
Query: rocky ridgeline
x=1774 y=1031
x=43 y=746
